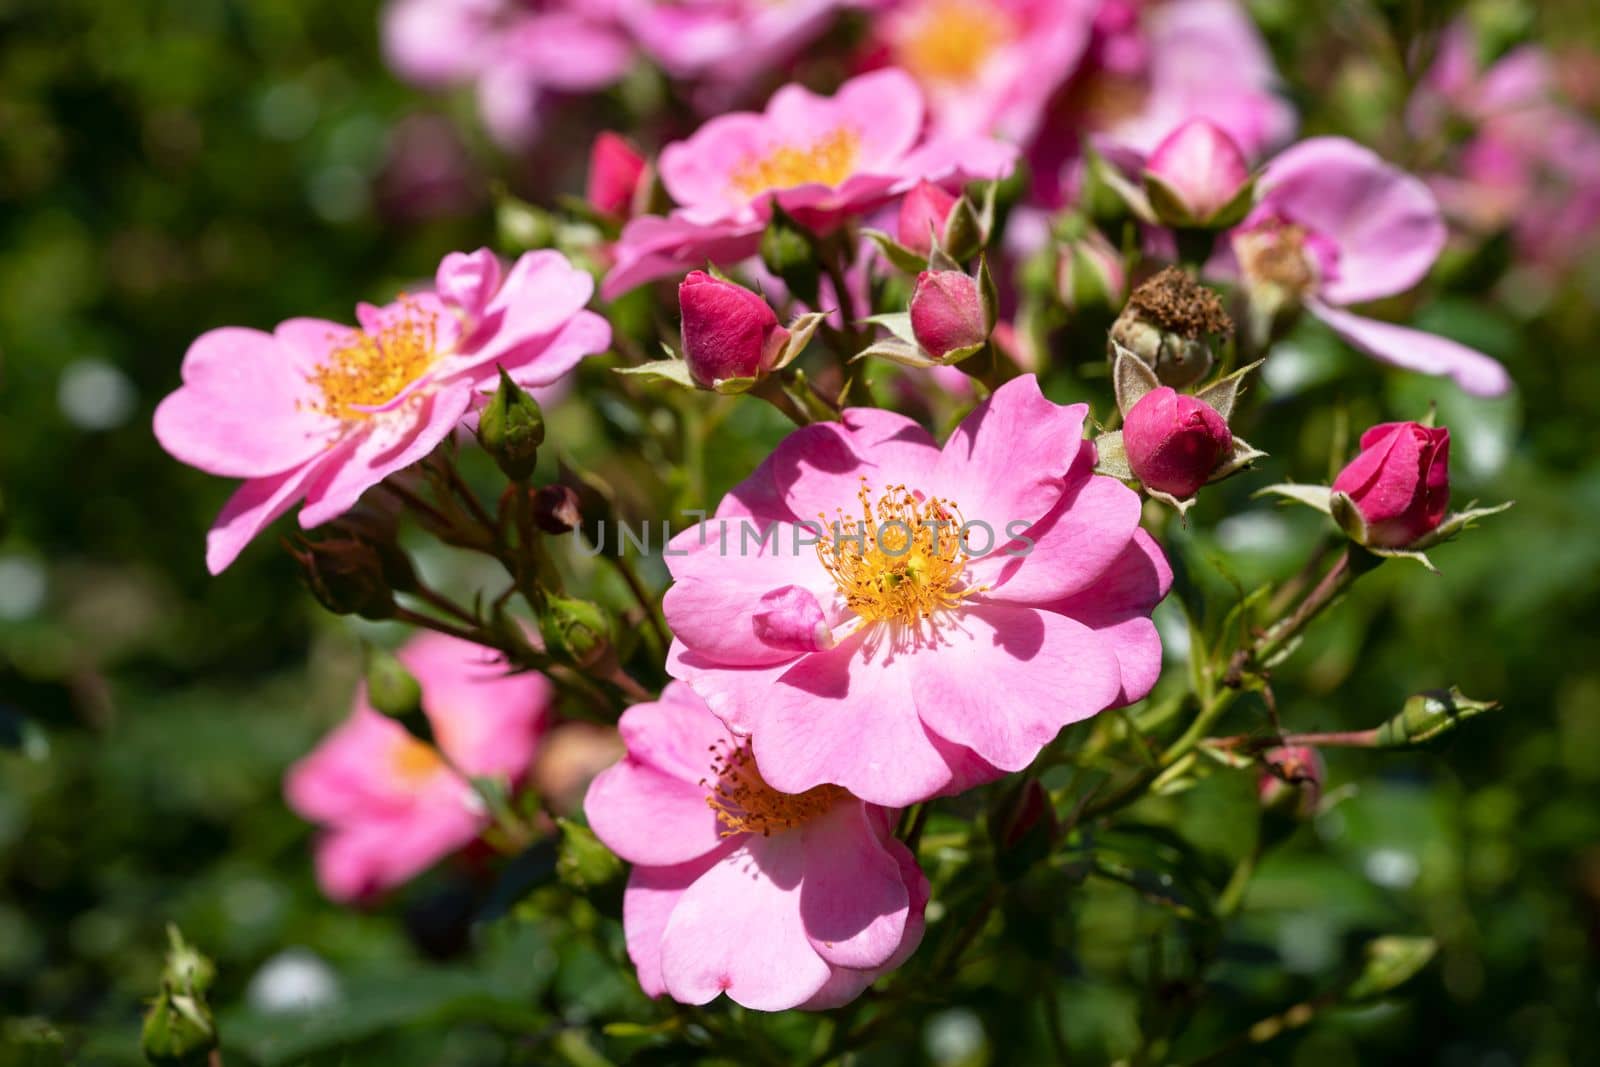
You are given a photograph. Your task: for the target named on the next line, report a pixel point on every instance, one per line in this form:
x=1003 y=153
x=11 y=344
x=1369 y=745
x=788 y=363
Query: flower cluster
x=877 y=616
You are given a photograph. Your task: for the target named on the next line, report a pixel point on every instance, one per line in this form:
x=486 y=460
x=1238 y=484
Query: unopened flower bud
x=1090 y=274
x=1291 y=780
x=923 y=214
x=1428 y=716
x=557 y=509
x=583 y=864
x=789 y=251
x=347 y=575
x=1023 y=826
x=1174 y=441
x=1170 y=323
x=511 y=429
x=729 y=333
x=615 y=170
x=1198 y=177
x=1399 y=483
x=186 y=967
x=178 y=1030
x=393 y=691
x=951 y=315
x=575 y=630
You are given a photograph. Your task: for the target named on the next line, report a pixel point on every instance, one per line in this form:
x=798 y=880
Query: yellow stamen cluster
x=1275 y=253
x=952 y=39
x=746 y=804
x=414 y=762
x=901 y=561
x=827 y=161
x=368 y=370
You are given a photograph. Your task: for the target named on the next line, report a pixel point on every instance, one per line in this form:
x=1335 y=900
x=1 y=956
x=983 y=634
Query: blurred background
x=168 y=166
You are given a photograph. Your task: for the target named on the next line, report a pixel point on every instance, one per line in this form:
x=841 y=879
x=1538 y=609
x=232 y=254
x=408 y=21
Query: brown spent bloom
x=1176 y=302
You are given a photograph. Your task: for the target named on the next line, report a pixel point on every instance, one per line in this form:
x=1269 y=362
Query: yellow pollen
x=369 y=370
x=1275 y=253
x=952 y=39
x=826 y=161
x=901 y=561
x=414 y=762
x=746 y=804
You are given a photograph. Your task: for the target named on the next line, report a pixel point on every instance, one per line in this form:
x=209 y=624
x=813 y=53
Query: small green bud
x=583 y=864
x=1430 y=715
x=511 y=429
x=187 y=969
x=393 y=691
x=1390 y=963
x=789 y=251
x=178 y=1030
x=576 y=630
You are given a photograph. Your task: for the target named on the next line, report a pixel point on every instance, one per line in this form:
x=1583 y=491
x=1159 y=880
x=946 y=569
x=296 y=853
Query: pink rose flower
x=1400 y=482
x=514 y=54
x=615 y=171
x=778 y=900
x=1335 y=225
x=948 y=314
x=927 y=646
x=1174 y=441
x=324 y=412
x=728 y=331
x=388 y=804
x=822 y=159
x=729 y=42
x=988 y=66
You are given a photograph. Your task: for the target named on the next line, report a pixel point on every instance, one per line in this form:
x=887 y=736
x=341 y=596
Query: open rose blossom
x=1400 y=481
x=513 y=53
x=1335 y=225
x=389 y=805
x=822 y=159
x=324 y=412
x=728 y=42
x=967 y=603
x=777 y=900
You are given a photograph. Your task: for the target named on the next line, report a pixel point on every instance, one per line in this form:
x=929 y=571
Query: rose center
x=1277 y=253
x=902 y=560
x=370 y=369
x=746 y=804
x=829 y=160
x=951 y=40
x=414 y=762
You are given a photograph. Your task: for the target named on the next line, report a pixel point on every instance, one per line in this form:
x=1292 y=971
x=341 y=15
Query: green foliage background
x=167 y=166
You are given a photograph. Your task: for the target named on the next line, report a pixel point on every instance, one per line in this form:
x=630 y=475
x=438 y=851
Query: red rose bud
x=1195 y=174
x=950 y=317
x=1174 y=441
x=1400 y=483
x=728 y=331
x=923 y=214
x=615 y=168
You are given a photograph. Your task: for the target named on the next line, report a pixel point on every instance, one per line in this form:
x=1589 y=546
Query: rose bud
x=923 y=214
x=951 y=315
x=1291 y=779
x=1090 y=274
x=615 y=170
x=728 y=331
x=1174 y=441
x=1400 y=482
x=1198 y=177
